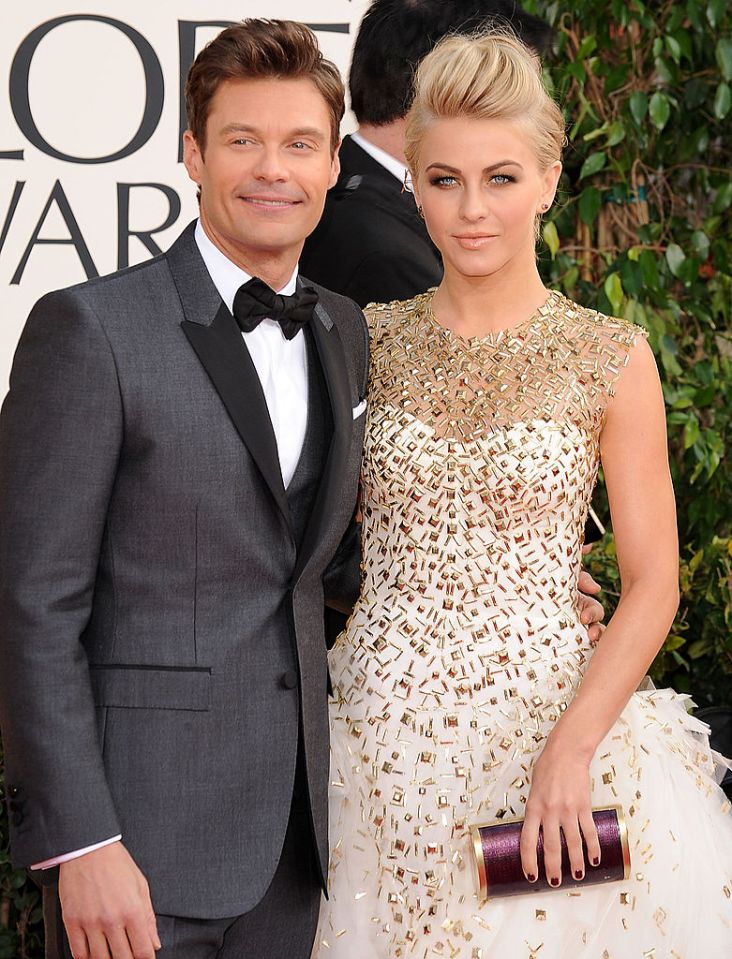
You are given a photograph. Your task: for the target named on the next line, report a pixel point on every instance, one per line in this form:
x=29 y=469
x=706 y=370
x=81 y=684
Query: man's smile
x=271 y=202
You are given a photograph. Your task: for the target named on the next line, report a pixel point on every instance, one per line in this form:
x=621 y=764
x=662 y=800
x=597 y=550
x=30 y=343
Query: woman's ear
x=550 y=182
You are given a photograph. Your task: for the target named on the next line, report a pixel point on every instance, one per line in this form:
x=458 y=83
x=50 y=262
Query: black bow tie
x=255 y=301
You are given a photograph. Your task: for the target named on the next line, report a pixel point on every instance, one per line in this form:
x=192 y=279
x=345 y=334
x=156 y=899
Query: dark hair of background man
x=396 y=34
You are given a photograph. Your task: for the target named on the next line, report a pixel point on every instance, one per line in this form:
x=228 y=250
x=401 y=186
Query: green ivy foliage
x=642 y=231
x=21 y=927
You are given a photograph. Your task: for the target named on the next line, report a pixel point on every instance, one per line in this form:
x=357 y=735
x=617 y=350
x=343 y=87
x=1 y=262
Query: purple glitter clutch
x=497 y=857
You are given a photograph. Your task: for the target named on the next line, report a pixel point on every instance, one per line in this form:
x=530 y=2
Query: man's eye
x=300 y=145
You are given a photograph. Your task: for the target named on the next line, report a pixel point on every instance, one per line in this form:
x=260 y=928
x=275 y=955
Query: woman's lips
x=473 y=241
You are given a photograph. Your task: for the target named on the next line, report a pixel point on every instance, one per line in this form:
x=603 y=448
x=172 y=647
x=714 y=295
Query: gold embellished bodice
x=480 y=460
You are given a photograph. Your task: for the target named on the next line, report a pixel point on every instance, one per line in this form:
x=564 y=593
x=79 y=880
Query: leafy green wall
x=642 y=230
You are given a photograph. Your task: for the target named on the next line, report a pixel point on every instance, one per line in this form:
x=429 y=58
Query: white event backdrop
x=90 y=122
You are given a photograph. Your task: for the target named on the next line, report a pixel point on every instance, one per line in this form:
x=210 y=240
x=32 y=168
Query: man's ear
x=192 y=157
x=335 y=166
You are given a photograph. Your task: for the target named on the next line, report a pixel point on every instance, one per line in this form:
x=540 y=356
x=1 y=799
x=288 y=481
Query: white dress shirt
x=390 y=163
x=281 y=364
x=282 y=368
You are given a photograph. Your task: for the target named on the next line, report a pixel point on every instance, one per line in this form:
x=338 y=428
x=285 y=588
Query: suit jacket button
x=289 y=679
x=15 y=790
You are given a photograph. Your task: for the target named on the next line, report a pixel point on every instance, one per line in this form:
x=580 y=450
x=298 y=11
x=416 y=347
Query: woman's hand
x=559 y=799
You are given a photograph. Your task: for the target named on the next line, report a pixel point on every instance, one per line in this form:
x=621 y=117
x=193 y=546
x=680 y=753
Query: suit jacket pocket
x=152 y=687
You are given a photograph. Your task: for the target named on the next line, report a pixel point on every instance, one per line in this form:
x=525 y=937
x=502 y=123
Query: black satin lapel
x=225 y=358
x=333 y=360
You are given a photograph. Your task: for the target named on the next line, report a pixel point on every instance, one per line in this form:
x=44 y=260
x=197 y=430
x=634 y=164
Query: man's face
x=266 y=166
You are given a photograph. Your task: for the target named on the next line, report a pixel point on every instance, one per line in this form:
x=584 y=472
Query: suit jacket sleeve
x=342 y=578
x=60 y=439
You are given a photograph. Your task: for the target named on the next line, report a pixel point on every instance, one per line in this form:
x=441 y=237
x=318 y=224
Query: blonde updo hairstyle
x=490 y=75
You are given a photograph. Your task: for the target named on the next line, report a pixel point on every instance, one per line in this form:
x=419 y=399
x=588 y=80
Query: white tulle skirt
x=401 y=883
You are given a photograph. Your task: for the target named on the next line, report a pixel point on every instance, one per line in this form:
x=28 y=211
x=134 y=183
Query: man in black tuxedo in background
x=371 y=243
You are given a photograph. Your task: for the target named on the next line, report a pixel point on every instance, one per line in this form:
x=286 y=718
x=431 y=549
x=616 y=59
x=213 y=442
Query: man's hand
x=106 y=906
x=592 y=612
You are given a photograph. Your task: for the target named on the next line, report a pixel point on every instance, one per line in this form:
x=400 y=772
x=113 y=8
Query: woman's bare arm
x=635 y=463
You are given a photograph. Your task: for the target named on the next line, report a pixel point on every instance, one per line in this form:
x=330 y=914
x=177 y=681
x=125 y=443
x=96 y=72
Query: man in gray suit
x=179 y=457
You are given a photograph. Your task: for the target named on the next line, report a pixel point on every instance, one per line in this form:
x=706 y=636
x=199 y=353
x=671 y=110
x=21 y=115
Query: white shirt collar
x=226 y=275
x=390 y=163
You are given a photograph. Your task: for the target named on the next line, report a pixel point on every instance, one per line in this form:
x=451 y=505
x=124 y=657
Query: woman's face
x=480 y=189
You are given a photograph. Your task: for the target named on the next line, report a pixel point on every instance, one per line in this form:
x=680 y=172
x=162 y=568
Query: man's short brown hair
x=261 y=49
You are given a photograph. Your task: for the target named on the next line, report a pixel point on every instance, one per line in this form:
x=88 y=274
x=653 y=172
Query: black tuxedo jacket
x=371 y=244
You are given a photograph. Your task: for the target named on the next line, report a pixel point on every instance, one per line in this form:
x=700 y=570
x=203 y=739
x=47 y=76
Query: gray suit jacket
x=161 y=637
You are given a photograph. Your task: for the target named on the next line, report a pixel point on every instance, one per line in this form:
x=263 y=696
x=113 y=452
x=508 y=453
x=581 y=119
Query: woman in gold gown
x=466 y=689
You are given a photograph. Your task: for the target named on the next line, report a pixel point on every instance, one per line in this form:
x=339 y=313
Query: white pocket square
x=358 y=410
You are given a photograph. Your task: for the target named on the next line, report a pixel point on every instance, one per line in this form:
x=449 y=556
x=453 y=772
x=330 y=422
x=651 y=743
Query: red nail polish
x=596 y=861
x=554 y=881
x=578 y=874
x=531 y=877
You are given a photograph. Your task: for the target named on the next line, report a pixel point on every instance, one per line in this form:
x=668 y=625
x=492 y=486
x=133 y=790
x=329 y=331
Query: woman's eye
x=447 y=181
x=501 y=178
